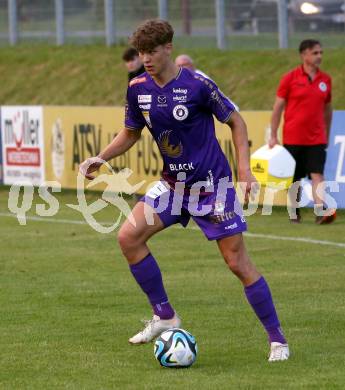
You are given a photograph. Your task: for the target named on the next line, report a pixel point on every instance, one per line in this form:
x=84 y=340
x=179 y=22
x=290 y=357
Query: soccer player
x=177 y=106
x=133 y=63
x=305 y=94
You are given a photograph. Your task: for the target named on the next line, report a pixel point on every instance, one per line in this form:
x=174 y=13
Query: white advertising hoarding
x=22 y=144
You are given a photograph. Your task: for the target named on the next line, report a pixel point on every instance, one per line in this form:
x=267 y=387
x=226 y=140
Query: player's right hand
x=273 y=141
x=90 y=165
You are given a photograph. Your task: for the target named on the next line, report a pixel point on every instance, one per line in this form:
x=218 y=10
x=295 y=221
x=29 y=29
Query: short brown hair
x=308 y=44
x=152 y=33
x=129 y=54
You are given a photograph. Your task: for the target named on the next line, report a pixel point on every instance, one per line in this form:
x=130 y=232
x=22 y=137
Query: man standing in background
x=305 y=94
x=185 y=61
x=133 y=63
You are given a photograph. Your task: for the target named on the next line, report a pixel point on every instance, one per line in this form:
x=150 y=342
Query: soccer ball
x=175 y=348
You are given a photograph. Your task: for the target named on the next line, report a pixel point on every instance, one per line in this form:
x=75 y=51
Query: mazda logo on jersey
x=180 y=112
x=162 y=99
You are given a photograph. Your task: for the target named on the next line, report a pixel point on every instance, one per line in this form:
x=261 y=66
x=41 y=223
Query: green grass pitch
x=68 y=305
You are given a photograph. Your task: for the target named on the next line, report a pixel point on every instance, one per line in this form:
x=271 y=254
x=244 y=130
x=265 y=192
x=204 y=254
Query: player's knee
x=234 y=257
x=126 y=239
x=233 y=260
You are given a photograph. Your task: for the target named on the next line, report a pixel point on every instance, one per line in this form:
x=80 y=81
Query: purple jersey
x=179 y=117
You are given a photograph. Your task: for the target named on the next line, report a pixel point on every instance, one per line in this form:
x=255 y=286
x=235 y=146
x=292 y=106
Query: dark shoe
x=326 y=219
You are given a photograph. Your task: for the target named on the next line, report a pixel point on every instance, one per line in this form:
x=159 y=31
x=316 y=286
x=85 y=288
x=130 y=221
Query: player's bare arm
x=119 y=145
x=240 y=139
x=278 y=109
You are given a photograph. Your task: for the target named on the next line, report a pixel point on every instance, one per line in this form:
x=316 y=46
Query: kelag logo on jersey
x=169 y=144
x=180 y=90
x=180 y=112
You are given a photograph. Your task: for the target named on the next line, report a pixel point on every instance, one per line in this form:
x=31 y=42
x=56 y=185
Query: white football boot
x=279 y=352
x=154 y=328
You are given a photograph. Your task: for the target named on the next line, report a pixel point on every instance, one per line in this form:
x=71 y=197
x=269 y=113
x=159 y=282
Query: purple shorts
x=217 y=216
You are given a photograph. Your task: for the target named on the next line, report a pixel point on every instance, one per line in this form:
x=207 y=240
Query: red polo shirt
x=304 y=122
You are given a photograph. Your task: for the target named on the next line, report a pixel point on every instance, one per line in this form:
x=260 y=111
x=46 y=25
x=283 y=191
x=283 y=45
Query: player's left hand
x=248 y=183
x=89 y=166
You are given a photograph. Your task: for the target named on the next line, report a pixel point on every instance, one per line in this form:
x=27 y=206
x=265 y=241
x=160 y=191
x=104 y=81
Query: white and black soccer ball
x=175 y=348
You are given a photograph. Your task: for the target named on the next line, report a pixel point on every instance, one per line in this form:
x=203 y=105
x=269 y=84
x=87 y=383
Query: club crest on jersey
x=180 y=112
x=167 y=145
x=323 y=86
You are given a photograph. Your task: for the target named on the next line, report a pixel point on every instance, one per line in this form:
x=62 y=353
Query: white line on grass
x=300 y=239
x=46 y=219
x=247 y=234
